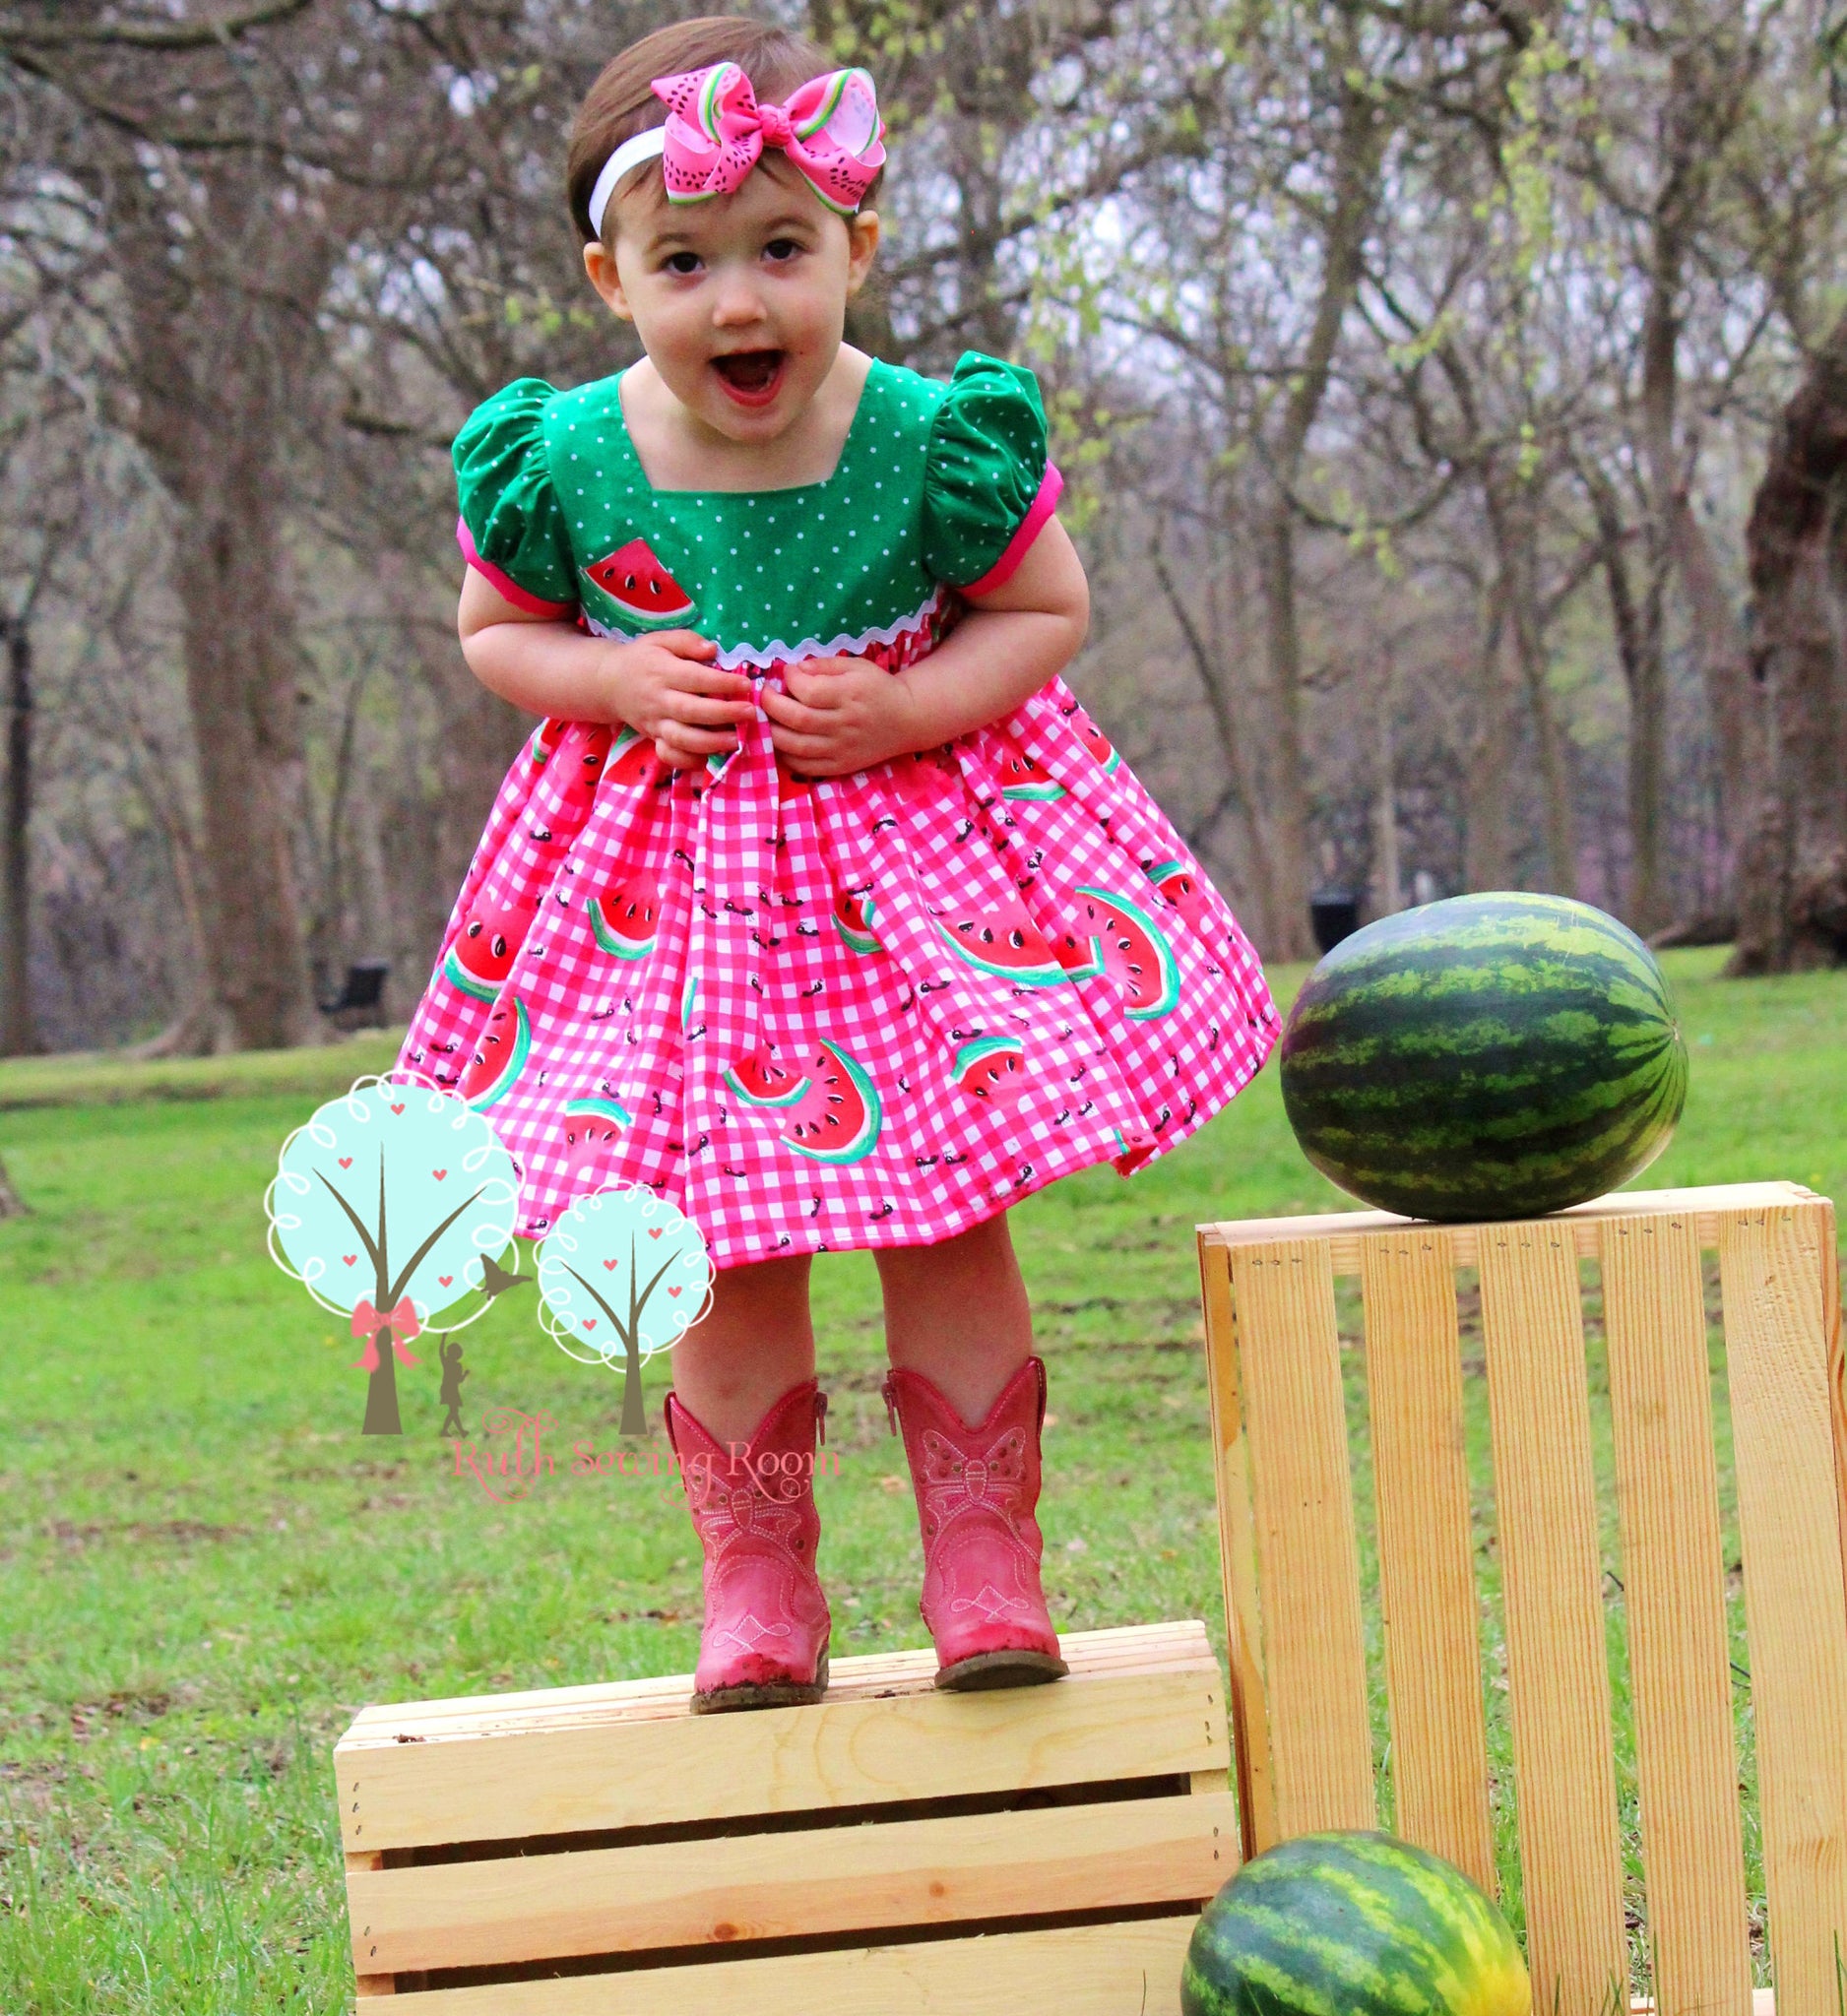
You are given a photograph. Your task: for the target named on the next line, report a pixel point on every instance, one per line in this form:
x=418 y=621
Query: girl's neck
x=679 y=452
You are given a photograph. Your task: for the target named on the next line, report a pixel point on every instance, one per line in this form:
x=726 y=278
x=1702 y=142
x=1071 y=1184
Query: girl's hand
x=840 y=714
x=667 y=687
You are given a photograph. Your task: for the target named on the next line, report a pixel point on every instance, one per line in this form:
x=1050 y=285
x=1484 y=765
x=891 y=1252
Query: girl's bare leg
x=754 y=1342
x=956 y=1312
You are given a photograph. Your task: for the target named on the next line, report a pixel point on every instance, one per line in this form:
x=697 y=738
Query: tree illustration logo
x=391 y=1206
x=623 y=1274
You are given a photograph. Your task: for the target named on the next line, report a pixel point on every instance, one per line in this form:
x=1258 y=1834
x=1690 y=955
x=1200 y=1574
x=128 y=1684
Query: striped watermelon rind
x=1492 y=1056
x=1352 y=1925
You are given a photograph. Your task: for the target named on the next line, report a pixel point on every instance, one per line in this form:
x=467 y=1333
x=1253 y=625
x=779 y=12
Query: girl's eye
x=782 y=249
x=683 y=262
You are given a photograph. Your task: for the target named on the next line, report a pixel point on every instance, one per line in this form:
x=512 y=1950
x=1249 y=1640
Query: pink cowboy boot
x=975 y=1490
x=764 y=1644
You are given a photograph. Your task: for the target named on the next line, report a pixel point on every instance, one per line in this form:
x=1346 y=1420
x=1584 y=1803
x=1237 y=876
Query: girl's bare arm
x=666 y=686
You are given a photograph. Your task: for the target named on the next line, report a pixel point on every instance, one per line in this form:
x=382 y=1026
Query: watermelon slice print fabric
x=854 y=1012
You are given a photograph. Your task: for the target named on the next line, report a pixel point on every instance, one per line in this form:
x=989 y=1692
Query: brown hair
x=621 y=104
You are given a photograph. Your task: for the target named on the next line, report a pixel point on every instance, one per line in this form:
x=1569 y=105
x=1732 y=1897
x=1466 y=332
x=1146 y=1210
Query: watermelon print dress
x=864 y=1011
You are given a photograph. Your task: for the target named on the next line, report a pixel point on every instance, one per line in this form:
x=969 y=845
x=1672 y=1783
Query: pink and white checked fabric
x=738 y=939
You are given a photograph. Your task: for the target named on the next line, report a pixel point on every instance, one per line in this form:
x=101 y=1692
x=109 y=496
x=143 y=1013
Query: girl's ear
x=861 y=248
x=600 y=265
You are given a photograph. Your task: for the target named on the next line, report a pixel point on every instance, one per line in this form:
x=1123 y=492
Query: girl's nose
x=736 y=304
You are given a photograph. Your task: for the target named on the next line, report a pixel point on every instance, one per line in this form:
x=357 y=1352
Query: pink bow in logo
x=716 y=133
x=399 y=1327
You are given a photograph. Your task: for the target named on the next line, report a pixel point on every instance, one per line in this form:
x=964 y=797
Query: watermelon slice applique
x=1006 y=942
x=833 y=1110
x=1107 y=756
x=486 y=947
x=625 y=919
x=577 y=785
x=1133 y=950
x=506 y=1044
x=1136 y=1149
x=761 y=1082
x=591 y=1127
x=688 y=1003
x=1185 y=891
x=544 y=740
x=989 y=1069
x=852 y=919
x=645 y=595
x=632 y=759
x=1023 y=777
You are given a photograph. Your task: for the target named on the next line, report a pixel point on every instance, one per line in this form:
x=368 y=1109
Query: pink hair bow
x=716 y=133
x=399 y=1327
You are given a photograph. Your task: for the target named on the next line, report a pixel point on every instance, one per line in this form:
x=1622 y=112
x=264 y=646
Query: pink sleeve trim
x=520 y=597
x=1031 y=526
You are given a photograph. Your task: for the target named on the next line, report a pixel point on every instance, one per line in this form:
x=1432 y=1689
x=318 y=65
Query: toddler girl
x=817 y=902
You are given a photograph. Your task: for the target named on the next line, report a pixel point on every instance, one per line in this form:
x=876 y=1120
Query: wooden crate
x=1302 y=1735
x=893 y=1849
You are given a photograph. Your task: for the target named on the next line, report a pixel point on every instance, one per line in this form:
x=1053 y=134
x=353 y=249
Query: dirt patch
x=69 y=1533
x=87 y=1717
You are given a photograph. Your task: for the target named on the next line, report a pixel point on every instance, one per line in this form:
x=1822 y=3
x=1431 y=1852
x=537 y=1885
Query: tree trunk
x=1215 y=678
x=634 y=1407
x=1637 y=628
x=1708 y=86
x=1487 y=860
x=381 y=1389
x=1388 y=892
x=1555 y=767
x=240 y=686
x=18 y=1036
x=1358 y=152
x=219 y=368
x=1791 y=876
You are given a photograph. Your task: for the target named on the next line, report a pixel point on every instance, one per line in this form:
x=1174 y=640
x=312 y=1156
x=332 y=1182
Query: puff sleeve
x=988 y=486
x=512 y=526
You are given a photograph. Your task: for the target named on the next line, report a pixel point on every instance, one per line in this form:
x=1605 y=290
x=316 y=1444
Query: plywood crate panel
x=893 y=1848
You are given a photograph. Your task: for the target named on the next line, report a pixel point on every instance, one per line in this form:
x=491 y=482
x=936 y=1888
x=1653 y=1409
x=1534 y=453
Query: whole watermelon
x=1491 y=1057
x=1352 y=1925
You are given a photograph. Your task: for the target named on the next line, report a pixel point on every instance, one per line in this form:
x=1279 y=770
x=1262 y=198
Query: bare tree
x=1793 y=867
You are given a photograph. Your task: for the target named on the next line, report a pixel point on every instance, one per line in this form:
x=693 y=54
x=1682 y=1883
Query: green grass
x=204 y=1569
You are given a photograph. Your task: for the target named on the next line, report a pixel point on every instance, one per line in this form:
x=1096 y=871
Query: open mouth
x=752 y=377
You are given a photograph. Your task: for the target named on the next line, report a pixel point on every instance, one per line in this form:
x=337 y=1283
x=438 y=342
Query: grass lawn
x=204 y=1569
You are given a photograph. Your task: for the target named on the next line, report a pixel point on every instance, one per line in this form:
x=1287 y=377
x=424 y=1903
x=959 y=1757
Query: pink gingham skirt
x=868 y=1011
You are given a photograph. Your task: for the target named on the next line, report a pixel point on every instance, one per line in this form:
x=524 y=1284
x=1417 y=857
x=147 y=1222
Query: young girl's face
x=740 y=302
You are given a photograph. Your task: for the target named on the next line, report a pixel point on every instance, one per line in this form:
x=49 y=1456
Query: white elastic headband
x=642 y=147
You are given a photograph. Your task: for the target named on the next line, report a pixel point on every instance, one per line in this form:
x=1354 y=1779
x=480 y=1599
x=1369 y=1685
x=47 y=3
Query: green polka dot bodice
x=933 y=482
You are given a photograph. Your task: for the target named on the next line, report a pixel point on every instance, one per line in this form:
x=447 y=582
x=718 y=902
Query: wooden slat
x=1238 y=1560
x=1307 y=1564
x=1772 y=1273
x=911 y=1672
x=1836 y=1378
x=1132 y=1968
x=1558 y=1666
x=1426 y=1572
x=1085 y=1728
x=1345 y=1229
x=1112 y=1855
x=1674 y=1579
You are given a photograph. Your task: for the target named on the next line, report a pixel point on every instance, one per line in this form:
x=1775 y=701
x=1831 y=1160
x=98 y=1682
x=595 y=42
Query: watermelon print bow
x=716 y=133
x=400 y=1326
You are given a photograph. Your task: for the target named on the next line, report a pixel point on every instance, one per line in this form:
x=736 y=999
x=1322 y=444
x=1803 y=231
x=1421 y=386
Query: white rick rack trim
x=779 y=653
